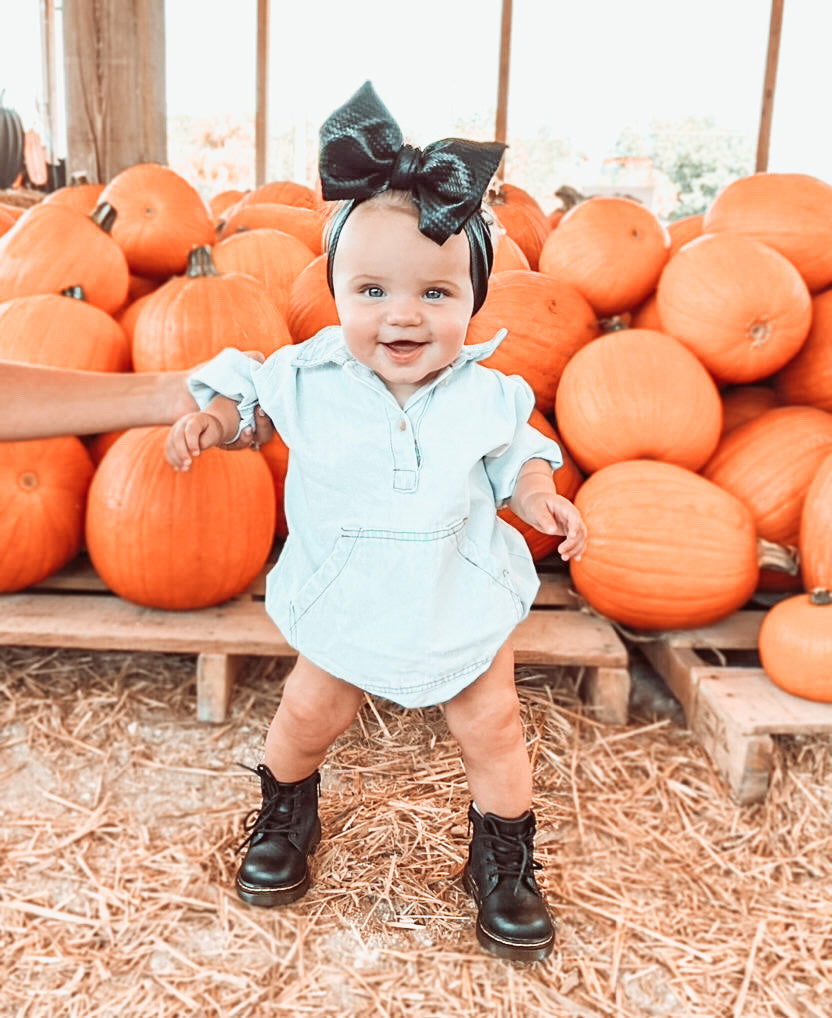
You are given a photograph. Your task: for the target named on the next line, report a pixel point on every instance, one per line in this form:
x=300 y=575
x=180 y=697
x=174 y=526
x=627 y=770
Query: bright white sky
x=583 y=68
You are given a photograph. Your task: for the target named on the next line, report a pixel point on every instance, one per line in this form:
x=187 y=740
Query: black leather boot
x=282 y=835
x=512 y=921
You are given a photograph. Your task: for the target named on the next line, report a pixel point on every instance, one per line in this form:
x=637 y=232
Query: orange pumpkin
x=611 y=249
x=567 y=481
x=742 y=403
x=52 y=247
x=815 y=536
x=739 y=305
x=220 y=203
x=311 y=304
x=305 y=224
x=160 y=218
x=173 y=540
x=43 y=490
x=191 y=318
x=523 y=219
x=768 y=463
x=683 y=230
x=646 y=315
x=63 y=332
x=284 y=192
x=83 y=197
x=807 y=378
x=795 y=645
x=548 y=321
x=638 y=394
x=272 y=257
x=792 y=212
x=666 y=549
x=7 y=221
x=508 y=255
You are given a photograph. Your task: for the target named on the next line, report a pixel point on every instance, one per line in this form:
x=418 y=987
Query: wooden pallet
x=73 y=609
x=733 y=710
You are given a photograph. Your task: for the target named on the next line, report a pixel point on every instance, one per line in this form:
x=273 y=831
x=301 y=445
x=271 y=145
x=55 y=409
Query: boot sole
x=508 y=950
x=270 y=897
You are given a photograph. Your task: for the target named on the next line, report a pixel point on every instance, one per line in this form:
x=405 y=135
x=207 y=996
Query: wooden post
x=114 y=63
x=764 y=134
x=501 y=125
x=50 y=76
x=261 y=120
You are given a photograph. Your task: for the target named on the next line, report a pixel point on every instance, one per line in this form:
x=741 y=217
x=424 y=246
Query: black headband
x=362 y=153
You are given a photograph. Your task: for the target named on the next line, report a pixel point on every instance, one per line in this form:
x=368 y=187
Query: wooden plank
x=215 y=678
x=261 y=116
x=736 y=632
x=606 y=692
x=568 y=638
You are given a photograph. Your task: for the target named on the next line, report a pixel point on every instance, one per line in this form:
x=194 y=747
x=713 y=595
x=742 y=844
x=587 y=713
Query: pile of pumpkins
x=686 y=372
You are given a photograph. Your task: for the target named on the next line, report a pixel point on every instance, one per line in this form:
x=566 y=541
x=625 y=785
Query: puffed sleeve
x=232 y=374
x=523 y=442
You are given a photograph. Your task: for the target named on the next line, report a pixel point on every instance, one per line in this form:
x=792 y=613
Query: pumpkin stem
x=819 y=595
x=569 y=197
x=200 y=262
x=74 y=292
x=782 y=558
x=104 y=215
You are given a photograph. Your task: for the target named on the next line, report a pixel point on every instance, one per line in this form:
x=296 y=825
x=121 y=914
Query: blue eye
x=434 y=294
x=373 y=291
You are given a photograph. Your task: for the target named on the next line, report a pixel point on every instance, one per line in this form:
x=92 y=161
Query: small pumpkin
x=191 y=318
x=83 y=197
x=311 y=304
x=523 y=219
x=807 y=377
x=548 y=321
x=795 y=645
x=53 y=247
x=791 y=212
x=637 y=394
x=666 y=549
x=272 y=257
x=62 y=331
x=220 y=203
x=683 y=230
x=612 y=250
x=161 y=217
x=740 y=306
x=43 y=491
x=173 y=540
x=508 y=255
x=815 y=537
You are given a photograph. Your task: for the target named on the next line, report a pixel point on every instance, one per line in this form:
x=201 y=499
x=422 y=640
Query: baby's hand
x=189 y=436
x=554 y=514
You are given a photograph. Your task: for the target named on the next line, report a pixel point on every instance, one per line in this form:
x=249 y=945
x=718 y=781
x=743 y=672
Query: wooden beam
x=769 y=82
x=114 y=63
x=261 y=120
x=501 y=126
x=50 y=76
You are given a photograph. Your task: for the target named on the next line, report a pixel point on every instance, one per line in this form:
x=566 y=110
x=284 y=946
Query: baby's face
x=404 y=302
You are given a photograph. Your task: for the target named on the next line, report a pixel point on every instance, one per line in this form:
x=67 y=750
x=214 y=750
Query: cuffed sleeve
x=232 y=374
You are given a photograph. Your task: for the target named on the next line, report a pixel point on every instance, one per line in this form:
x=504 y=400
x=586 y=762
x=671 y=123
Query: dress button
x=402 y=425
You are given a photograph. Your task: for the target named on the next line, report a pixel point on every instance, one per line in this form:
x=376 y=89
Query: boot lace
x=513 y=858
x=270 y=818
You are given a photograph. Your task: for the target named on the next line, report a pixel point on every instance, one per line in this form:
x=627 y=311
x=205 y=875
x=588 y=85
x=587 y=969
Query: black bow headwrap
x=362 y=153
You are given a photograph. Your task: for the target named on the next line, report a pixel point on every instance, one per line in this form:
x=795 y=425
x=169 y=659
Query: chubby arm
x=536 y=501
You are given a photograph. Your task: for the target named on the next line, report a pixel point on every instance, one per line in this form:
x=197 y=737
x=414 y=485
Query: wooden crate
x=73 y=609
x=733 y=709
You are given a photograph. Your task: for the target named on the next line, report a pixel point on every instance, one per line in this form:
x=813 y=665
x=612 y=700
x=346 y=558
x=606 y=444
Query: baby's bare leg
x=314 y=710
x=485 y=720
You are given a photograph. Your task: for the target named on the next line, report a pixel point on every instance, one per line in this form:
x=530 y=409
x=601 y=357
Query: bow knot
x=362 y=152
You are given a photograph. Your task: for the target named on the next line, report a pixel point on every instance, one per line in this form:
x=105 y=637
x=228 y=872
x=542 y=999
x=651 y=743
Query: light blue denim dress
x=397 y=575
